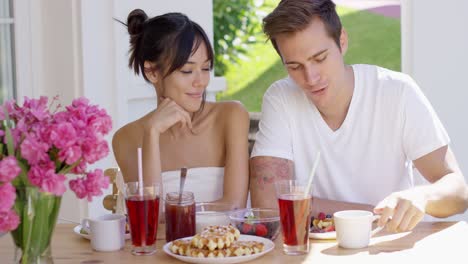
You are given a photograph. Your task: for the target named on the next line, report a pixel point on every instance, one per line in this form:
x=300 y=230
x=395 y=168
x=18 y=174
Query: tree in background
x=237 y=25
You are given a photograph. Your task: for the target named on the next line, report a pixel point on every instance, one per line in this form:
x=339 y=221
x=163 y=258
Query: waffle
x=180 y=247
x=216 y=242
x=215 y=237
x=241 y=248
x=237 y=248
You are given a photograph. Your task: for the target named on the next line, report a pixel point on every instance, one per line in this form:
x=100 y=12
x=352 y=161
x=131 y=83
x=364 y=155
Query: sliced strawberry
x=246 y=228
x=329 y=228
x=261 y=230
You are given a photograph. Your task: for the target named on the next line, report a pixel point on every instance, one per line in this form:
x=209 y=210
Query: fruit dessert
x=251 y=226
x=322 y=223
x=216 y=241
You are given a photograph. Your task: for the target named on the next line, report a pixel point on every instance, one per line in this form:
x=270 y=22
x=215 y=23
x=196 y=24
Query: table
x=429 y=242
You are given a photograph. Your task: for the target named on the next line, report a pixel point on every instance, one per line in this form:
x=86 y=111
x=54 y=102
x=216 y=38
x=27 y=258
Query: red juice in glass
x=295 y=213
x=180 y=215
x=143 y=213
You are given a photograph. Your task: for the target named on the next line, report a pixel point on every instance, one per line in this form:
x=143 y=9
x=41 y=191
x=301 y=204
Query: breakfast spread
x=322 y=223
x=216 y=241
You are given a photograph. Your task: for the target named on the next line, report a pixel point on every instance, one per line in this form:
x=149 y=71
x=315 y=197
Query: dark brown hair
x=295 y=15
x=167 y=41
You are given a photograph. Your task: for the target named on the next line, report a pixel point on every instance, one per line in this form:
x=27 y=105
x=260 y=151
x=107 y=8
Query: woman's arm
x=123 y=143
x=145 y=133
x=236 y=170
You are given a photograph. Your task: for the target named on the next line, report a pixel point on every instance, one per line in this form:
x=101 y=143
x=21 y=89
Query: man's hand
x=402 y=210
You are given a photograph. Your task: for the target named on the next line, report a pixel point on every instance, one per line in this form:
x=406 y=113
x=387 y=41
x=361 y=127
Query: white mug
x=354 y=228
x=107 y=232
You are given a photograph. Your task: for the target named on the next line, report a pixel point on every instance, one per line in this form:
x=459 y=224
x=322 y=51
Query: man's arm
x=445 y=196
x=264 y=171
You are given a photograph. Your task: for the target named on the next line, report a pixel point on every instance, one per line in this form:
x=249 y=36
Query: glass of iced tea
x=143 y=213
x=295 y=205
x=180 y=215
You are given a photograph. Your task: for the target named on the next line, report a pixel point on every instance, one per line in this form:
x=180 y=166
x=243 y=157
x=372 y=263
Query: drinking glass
x=143 y=213
x=295 y=204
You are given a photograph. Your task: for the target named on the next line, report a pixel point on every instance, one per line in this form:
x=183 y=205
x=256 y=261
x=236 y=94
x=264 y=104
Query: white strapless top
x=206 y=183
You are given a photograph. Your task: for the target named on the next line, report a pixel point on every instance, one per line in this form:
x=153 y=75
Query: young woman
x=174 y=54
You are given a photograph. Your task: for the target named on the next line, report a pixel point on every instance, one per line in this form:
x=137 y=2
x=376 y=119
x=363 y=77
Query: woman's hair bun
x=135 y=21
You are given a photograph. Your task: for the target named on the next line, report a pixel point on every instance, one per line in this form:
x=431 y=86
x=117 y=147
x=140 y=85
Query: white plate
x=77 y=229
x=326 y=235
x=268 y=246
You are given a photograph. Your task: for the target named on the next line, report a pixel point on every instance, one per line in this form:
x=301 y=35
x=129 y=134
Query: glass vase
x=38 y=212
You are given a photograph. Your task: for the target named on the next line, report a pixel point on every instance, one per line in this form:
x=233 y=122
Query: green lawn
x=373 y=39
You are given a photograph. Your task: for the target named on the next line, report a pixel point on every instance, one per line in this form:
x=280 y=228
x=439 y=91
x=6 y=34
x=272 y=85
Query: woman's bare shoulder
x=230 y=108
x=127 y=135
x=231 y=114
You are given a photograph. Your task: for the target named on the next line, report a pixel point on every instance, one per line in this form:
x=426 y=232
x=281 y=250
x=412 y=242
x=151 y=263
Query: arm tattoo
x=267 y=170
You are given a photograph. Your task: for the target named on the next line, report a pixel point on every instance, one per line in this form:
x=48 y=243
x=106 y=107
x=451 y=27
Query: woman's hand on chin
x=167 y=114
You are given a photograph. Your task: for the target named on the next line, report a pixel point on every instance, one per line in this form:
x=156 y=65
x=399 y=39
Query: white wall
x=435 y=53
x=74 y=48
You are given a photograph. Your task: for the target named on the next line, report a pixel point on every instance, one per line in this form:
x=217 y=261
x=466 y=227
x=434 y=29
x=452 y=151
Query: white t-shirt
x=389 y=123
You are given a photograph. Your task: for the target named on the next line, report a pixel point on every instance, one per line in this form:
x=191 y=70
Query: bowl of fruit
x=263 y=222
x=322 y=226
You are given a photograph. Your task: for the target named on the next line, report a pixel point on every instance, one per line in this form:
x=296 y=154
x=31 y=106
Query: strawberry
x=246 y=228
x=329 y=228
x=321 y=216
x=261 y=230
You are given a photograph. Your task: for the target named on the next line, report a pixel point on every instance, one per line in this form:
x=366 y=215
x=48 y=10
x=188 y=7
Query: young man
x=370 y=124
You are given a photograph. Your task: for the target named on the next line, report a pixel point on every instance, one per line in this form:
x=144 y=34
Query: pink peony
x=90 y=185
x=101 y=122
x=37 y=107
x=43 y=175
x=54 y=183
x=8 y=194
x=34 y=150
x=9 y=169
x=9 y=220
x=49 y=144
x=80 y=102
x=94 y=149
x=70 y=155
x=63 y=135
x=12 y=109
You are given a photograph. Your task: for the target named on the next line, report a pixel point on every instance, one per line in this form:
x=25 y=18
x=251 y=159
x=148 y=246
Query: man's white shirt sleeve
x=423 y=131
x=274 y=135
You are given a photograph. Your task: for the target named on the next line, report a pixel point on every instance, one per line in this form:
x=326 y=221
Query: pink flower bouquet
x=38 y=148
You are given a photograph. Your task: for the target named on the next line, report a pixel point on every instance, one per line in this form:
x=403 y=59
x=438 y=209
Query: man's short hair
x=295 y=15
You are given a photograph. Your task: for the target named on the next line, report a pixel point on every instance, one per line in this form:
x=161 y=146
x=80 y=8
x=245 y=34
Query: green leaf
x=10 y=144
x=22 y=179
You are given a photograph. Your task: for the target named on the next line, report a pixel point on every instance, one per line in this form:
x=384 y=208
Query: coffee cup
x=107 y=232
x=354 y=228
